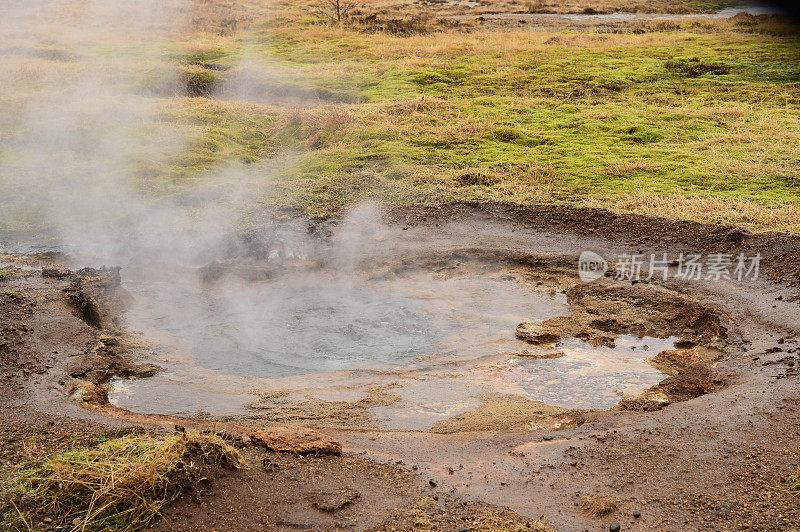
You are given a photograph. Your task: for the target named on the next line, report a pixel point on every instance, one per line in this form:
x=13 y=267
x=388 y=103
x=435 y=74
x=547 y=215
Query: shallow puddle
x=594 y=377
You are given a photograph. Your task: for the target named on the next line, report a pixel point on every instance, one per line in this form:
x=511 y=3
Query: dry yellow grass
x=119 y=484
x=420 y=516
x=598 y=505
x=734 y=211
x=406 y=8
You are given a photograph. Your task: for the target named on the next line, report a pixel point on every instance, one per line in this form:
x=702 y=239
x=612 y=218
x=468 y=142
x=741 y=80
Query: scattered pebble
x=432 y=483
x=614 y=527
x=637 y=514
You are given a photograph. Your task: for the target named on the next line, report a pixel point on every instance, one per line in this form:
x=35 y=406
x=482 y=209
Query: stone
x=332 y=501
x=297 y=440
x=542 y=354
x=110 y=341
x=536 y=334
x=614 y=527
x=88 y=309
x=55 y=271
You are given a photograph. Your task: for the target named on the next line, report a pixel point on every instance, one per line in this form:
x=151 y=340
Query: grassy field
x=694 y=119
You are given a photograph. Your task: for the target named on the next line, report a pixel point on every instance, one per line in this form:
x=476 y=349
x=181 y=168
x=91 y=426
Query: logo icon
x=591 y=266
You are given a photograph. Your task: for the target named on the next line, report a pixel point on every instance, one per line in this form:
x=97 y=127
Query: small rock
x=333 y=501
x=637 y=514
x=298 y=440
x=180 y=428
x=541 y=354
x=547 y=438
x=614 y=527
x=109 y=341
x=433 y=483
x=268 y=465
x=55 y=271
x=536 y=334
x=463 y=529
x=414 y=467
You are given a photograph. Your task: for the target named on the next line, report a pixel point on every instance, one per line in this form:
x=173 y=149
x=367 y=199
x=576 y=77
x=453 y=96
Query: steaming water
x=442 y=343
x=306 y=324
x=291 y=329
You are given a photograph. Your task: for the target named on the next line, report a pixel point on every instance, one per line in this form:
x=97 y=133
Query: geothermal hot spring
x=441 y=341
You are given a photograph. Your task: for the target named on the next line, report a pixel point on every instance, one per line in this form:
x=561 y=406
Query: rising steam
x=86 y=84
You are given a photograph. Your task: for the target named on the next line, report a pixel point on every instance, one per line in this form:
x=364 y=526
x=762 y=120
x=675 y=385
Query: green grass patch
x=701 y=111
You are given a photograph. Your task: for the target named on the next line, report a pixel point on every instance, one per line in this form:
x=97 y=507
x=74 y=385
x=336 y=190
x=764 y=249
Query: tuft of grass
x=498 y=523
x=694 y=67
x=423 y=515
x=794 y=482
x=119 y=484
x=199 y=80
x=598 y=505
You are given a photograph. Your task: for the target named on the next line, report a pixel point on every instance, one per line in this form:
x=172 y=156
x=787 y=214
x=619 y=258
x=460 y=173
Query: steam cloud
x=81 y=126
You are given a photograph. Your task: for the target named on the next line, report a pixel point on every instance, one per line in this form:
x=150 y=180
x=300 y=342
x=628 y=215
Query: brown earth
x=708 y=461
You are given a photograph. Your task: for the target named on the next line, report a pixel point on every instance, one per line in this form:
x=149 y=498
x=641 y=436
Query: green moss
x=514 y=136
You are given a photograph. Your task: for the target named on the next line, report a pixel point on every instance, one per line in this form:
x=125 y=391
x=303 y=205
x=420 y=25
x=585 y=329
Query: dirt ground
x=717 y=461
